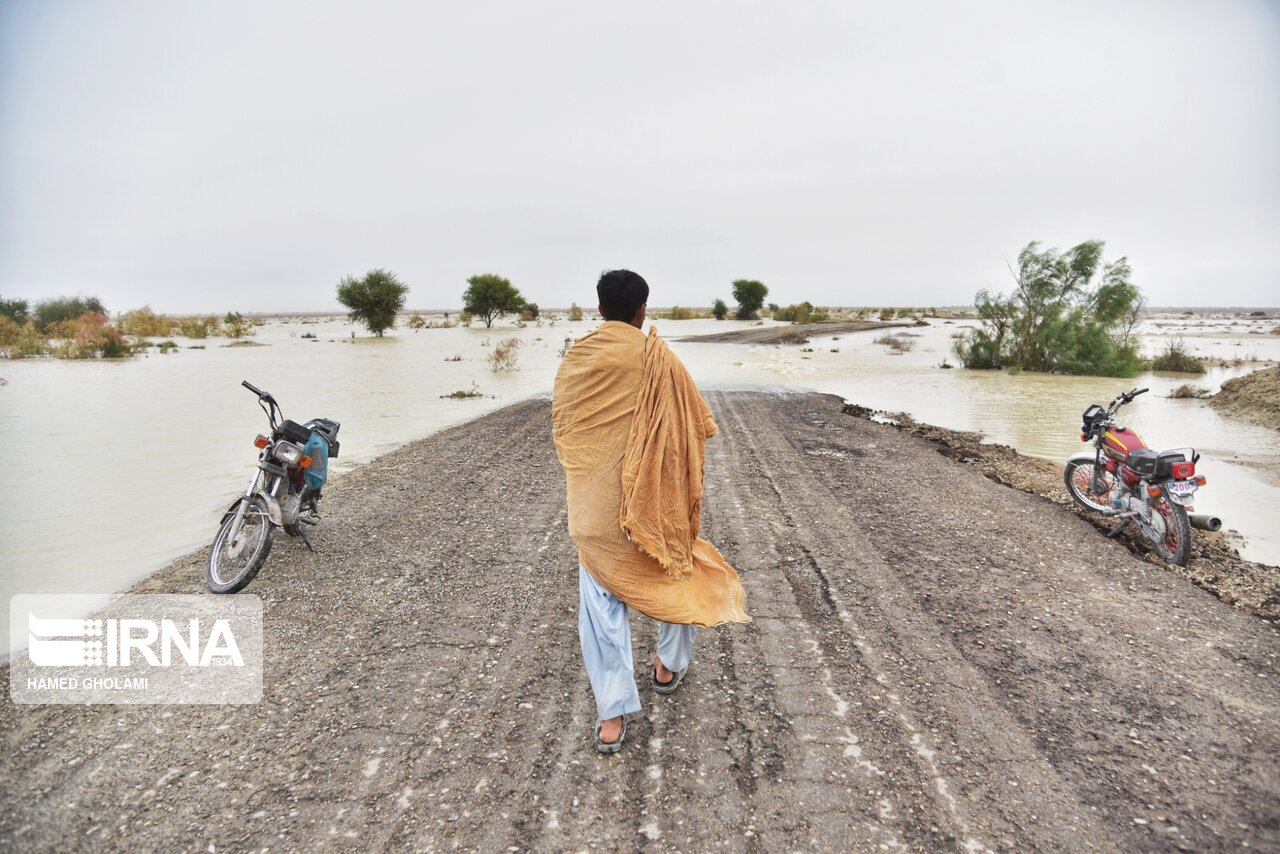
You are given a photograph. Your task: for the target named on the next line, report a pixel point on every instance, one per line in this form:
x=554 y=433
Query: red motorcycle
x=1124 y=478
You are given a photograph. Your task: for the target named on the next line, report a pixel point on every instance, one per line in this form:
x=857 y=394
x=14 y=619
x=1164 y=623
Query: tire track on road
x=839 y=585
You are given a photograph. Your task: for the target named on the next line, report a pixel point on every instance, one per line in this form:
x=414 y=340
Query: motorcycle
x=1124 y=478
x=284 y=492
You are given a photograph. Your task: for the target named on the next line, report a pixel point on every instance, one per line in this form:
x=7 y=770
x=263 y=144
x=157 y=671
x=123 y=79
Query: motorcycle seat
x=1143 y=461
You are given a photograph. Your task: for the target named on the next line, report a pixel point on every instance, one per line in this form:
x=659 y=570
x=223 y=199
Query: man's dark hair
x=621 y=294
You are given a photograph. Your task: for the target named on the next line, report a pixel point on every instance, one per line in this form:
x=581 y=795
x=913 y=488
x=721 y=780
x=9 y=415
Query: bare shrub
x=1187 y=391
x=505 y=357
x=1178 y=359
x=896 y=343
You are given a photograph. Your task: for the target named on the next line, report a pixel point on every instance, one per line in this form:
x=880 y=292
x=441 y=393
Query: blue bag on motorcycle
x=318 y=449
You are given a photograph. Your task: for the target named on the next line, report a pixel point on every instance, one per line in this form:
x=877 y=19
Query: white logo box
x=138 y=648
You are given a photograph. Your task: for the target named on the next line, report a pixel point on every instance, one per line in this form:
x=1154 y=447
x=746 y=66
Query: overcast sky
x=206 y=156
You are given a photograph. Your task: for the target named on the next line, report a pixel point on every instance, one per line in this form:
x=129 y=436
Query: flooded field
x=115 y=468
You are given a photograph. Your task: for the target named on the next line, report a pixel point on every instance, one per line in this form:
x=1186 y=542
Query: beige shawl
x=630 y=429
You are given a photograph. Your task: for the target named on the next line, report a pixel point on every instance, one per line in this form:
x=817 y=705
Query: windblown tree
x=750 y=296
x=1069 y=313
x=490 y=296
x=373 y=300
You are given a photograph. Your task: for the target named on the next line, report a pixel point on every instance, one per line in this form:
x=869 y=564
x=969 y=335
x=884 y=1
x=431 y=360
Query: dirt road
x=937 y=662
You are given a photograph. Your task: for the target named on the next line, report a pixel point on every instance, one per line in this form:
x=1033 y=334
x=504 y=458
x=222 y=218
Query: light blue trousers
x=605 y=633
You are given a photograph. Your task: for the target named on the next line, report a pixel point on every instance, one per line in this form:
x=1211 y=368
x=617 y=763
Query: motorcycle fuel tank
x=1119 y=442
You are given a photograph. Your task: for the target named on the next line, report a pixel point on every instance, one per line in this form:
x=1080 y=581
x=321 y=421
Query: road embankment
x=1215 y=564
x=798 y=333
x=1254 y=396
x=936 y=662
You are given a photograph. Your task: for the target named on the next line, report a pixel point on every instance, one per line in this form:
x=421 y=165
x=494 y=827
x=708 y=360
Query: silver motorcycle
x=284 y=492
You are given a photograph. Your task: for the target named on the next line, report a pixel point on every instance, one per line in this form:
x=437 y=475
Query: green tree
x=373 y=300
x=719 y=310
x=749 y=295
x=51 y=311
x=1069 y=313
x=14 y=309
x=490 y=296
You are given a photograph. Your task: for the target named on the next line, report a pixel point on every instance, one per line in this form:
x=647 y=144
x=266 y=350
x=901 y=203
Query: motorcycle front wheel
x=1175 y=545
x=234 y=563
x=1078 y=477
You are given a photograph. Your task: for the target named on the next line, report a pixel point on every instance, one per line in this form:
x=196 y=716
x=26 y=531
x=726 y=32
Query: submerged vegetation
x=505 y=357
x=1069 y=313
x=50 y=312
x=489 y=296
x=20 y=341
x=235 y=326
x=80 y=328
x=373 y=300
x=801 y=313
x=66 y=327
x=1177 y=359
x=749 y=294
x=1186 y=391
x=145 y=323
x=897 y=344
x=89 y=336
x=198 y=327
x=463 y=393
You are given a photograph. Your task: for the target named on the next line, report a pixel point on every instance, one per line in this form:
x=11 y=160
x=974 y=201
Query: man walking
x=630 y=429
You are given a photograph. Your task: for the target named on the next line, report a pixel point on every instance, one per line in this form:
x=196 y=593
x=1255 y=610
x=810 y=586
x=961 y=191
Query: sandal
x=610 y=746
x=666 y=687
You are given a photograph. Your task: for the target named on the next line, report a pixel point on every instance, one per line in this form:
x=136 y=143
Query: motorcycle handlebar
x=264 y=395
x=266 y=401
x=1128 y=396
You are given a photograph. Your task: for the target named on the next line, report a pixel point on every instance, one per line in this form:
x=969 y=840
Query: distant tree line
x=79 y=327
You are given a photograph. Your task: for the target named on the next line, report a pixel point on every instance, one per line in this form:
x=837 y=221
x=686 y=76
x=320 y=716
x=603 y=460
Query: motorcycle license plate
x=1183 y=487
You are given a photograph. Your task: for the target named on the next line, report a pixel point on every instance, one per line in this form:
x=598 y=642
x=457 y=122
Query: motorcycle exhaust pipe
x=1204 y=521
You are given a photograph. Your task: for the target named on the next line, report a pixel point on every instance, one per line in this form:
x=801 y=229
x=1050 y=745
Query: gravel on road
x=937 y=662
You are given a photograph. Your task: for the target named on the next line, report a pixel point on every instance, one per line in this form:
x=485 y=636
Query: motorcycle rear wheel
x=233 y=565
x=1175 y=546
x=1078 y=477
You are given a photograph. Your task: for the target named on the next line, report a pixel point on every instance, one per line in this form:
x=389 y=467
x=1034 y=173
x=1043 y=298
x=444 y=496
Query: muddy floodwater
x=112 y=469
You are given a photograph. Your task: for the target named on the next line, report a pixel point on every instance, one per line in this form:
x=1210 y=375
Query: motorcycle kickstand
x=302 y=532
x=1124 y=523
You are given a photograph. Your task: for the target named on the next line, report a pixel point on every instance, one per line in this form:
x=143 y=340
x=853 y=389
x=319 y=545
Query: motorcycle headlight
x=287 y=452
